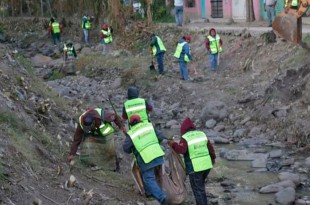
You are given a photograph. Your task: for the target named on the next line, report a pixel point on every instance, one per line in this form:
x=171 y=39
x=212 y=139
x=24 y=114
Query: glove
x=170 y=142
x=70 y=158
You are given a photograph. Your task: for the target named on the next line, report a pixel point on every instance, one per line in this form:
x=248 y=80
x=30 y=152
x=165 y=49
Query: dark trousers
x=56 y=36
x=197 y=181
x=160 y=62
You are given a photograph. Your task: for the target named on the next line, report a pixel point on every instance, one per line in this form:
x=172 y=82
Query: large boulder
x=214 y=110
x=40 y=60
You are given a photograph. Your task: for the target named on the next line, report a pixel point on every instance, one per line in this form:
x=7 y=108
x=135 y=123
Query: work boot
x=164 y=202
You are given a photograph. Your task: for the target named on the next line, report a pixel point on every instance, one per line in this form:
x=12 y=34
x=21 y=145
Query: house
x=226 y=9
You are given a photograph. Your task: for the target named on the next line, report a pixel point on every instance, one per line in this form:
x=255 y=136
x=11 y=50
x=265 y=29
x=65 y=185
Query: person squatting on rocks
x=143 y=141
x=86 y=26
x=183 y=54
x=106 y=38
x=158 y=49
x=136 y=105
x=55 y=29
x=97 y=124
x=69 y=51
x=199 y=157
x=214 y=47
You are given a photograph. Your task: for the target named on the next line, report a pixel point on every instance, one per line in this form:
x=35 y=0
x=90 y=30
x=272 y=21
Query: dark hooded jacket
x=133 y=93
x=181 y=148
x=207 y=43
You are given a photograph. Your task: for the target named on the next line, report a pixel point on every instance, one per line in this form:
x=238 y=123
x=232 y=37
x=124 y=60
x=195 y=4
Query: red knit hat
x=187 y=125
x=134 y=119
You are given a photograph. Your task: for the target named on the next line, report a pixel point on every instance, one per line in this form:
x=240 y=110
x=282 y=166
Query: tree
x=250 y=16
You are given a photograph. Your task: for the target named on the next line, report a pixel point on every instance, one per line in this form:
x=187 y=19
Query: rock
x=40 y=60
x=116 y=83
x=301 y=202
x=273 y=188
x=219 y=128
x=86 y=50
x=210 y=123
x=275 y=153
x=214 y=110
x=259 y=162
x=220 y=140
x=287 y=162
x=77 y=46
x=170 y=123
x=307 y=162
x=37 y=201
x=240 y=133
x=255 y=131
x=286 y=196
x=290 y=176
x=243 y=155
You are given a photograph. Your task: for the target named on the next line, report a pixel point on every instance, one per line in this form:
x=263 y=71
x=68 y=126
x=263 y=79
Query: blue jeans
x=213 y=61
x=178 y=11
x=197 y=181
x=86 y=35
x=151 y=185
x=271 y=13
x=160 y=62
x=183 y=70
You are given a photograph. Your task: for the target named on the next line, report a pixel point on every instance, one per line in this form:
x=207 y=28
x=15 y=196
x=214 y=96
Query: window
x=190 y=3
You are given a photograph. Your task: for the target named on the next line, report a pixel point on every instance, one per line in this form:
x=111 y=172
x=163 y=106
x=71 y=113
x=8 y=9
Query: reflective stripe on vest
x=294 y=3
x=107 y=39
x=215 y=44
x=56 y=28
x=145 y=141
x=198 y=151
x=104 y=129
x=136 y=106
x=87 y=23
x=179 y=51
x=160 y=45
x=68 y=50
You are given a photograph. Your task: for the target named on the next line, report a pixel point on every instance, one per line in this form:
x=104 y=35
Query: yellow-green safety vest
x=87 y=23
x=136 y=106
x=56 y=28
x=179 y=50
x=198 y=151
x=108 y=33
x=215 y=44
x=145 y=141
x=104 y=129
x=160 y=44
x=294 y=3
x=69 y=50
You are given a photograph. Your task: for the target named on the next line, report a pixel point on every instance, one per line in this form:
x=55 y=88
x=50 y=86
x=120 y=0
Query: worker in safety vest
x=69 y=51
x=55 y=29
x=183 y=54
x=294 y=4
x=143 y=141
x=199 y=157
x=136 y=105
x=86 y=26
x=106 y=38
x=214 y=47
x=95 y=124
x=158 y=50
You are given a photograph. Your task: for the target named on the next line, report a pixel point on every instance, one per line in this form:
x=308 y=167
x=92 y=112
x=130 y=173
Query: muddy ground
x=260 y=83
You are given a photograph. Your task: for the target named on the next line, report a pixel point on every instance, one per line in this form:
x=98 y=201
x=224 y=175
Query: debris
x=37 y=201
x=55 y=202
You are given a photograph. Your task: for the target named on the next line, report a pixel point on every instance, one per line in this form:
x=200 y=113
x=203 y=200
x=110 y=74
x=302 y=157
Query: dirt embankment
x=262 y=85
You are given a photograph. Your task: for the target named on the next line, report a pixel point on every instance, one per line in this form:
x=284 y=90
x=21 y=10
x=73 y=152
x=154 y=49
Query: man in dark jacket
x=158 y=49
x=95 y=123
x=143 y=141
x=136 y=105
x=199 y=156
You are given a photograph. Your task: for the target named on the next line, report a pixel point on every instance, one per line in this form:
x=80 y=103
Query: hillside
x=259 y=100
